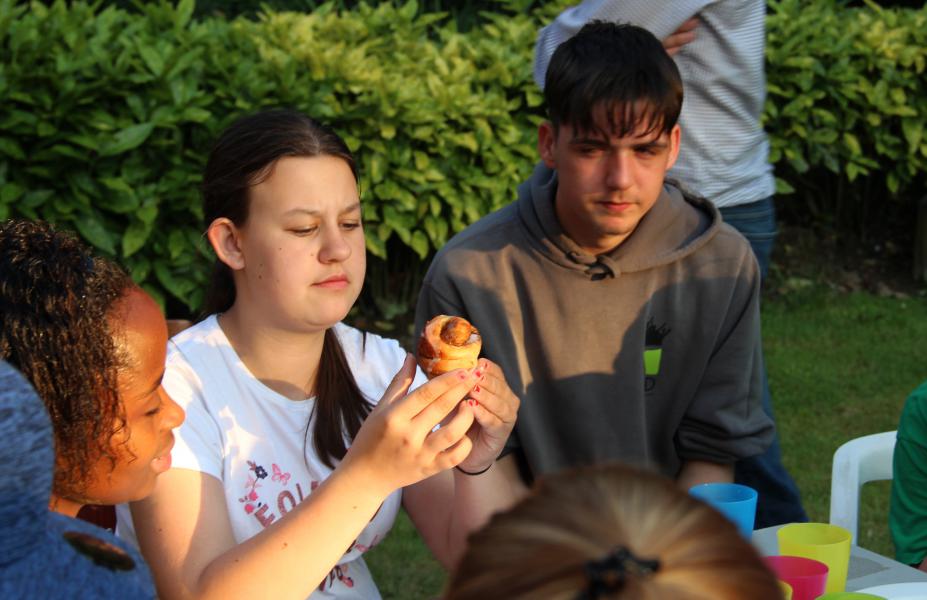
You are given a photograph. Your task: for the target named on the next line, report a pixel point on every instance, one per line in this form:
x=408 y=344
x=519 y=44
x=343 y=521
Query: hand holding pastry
x=494 y=409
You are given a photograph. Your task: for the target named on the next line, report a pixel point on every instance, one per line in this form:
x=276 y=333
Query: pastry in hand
x=448 y=343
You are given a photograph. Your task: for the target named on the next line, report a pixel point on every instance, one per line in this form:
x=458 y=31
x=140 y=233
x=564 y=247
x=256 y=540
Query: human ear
x=547 y=137
x=674 y=137
x=225 y=239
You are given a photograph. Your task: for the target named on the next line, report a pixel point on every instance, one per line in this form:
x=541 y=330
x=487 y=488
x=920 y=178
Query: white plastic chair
x=863 y=459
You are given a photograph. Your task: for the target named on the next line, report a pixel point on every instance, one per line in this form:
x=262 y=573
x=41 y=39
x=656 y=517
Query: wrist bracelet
x=477 y=473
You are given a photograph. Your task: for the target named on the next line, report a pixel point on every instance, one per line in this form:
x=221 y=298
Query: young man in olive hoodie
x=622 y=311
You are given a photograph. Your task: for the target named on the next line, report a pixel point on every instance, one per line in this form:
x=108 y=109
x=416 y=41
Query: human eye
x=588 y=150
x=155 y=410
x=351 y=225
x=303 y=231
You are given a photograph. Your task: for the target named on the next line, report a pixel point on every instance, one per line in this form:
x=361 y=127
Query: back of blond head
x=541 y=547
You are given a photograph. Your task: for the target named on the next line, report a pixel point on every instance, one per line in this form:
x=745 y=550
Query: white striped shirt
x=724 y=150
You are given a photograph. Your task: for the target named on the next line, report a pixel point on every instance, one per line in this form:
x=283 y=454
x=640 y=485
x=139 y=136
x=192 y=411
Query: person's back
x=908 y=509
x=610 y=532
x=623 y=312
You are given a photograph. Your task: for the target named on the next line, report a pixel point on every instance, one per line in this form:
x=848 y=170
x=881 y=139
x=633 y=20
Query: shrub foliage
x=107 y=115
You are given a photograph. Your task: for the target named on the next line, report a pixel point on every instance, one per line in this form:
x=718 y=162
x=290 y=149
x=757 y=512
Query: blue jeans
x=779 y=500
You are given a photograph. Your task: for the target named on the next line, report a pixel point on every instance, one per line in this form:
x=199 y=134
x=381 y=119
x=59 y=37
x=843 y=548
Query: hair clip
x=608 y=574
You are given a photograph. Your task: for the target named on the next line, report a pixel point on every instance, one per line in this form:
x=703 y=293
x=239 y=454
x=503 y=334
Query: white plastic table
x=867 y=569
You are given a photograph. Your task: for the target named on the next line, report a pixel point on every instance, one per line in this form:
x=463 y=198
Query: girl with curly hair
x=288 y=468
x=92 y=344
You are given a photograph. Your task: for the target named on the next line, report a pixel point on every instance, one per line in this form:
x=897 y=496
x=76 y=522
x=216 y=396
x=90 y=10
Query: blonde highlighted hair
x=546 y=547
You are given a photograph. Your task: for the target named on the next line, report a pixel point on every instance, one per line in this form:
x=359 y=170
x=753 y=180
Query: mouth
x=163 y=462
x=616 y=207
x=333 y=282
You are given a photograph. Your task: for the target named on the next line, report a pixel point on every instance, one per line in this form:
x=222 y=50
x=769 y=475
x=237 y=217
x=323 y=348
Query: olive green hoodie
x=648 y=354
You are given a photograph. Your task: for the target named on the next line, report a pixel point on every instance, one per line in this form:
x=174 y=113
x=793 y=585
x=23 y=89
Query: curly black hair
x=55 y=296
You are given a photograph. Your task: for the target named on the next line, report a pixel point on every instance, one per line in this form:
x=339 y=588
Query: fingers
x=399 y=386
x=689 y=25
x=451 y=433
x=439 y=408
x=493 y=394
x=674 y=42
x=438 y=396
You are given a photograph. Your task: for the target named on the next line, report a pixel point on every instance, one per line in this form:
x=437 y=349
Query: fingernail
x=462 y=374
x=479 y=373
x=476 y=388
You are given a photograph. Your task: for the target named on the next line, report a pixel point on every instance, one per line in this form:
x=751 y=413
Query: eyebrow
x=314 y=213
x=156 y=385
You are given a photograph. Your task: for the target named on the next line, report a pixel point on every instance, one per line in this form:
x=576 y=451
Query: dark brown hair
x=619 y=67
x=55 y=302
x=243 y=157
x=552 y=545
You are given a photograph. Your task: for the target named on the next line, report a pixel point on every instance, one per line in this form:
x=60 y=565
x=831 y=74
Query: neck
x=65 y=506
x=285 y=361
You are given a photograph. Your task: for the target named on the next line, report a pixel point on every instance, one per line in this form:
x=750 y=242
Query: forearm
x=476 y=499
x=449 y=506
x=293 y=555
x=923 y=565
x=694 y=472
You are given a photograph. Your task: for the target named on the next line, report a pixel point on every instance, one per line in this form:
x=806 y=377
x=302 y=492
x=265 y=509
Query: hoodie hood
x=678 y=224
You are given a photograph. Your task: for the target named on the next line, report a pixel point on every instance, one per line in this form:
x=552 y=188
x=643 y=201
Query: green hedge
x=106 y=116
x=847 y=108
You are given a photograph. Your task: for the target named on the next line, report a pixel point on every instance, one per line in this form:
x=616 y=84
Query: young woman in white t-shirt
x=285 y=472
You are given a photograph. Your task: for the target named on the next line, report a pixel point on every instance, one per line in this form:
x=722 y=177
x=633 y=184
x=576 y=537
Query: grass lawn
x=840 y=366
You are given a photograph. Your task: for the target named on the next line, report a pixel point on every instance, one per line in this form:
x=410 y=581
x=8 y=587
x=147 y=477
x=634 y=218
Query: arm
x=724 y=420
x=663 y=19
x=694 y=472
x=447 y=507
x=185 y=533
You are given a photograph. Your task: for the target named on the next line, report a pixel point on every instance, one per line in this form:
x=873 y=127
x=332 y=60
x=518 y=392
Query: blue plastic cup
x=736 y=502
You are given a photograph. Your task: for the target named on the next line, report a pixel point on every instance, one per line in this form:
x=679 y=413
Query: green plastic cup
x=824 y=542
x=850 y=596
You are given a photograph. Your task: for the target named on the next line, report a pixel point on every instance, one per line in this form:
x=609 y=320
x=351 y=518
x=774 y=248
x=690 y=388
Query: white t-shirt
x=254 y=440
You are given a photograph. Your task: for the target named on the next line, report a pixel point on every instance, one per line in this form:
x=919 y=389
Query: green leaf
x=11 y=148
x=127 y=139
x=184 y=12
x=10 y=192
x=419 y=243
x=852 y=143
x=92 y=230
x=783 y=187
x=134 y=238
x=152 y=59
x=176 y=244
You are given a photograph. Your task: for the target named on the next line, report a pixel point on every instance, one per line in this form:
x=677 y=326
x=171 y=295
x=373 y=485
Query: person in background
x=92 y=344
x=907 y=517
x=623 y=312
x=298 y=450
x=718 y=46
x=614 y=532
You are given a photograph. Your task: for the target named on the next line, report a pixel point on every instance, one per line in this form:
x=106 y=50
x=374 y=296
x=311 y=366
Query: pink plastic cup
x=808 y=577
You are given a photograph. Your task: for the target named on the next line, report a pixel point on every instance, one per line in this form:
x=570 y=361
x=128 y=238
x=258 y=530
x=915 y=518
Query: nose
x=618 y=173
x=335 y=247
x=173 y=413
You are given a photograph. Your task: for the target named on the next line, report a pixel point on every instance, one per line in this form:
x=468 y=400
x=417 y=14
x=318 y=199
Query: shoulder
x=196 y=340
x=716 y=245
x=485 y=234
x=914 y=414
x=368 y=354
